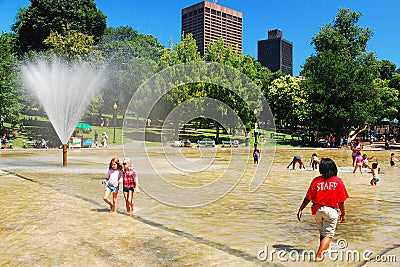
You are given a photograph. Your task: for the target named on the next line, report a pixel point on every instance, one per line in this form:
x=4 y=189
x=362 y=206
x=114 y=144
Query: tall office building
x=208 y=22
x=276 y=53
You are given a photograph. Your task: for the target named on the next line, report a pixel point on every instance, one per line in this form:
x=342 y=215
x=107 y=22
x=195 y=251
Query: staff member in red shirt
x=327 y=193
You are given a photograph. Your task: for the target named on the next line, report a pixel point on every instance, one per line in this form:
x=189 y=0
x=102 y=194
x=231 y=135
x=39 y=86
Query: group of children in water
x=359 y=162
x=362 y=162
x=327 y=192
x=124 y=173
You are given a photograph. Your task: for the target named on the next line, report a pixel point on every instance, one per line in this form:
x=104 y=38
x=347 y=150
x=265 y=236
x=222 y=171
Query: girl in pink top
x=113 y=179
x=359 y=162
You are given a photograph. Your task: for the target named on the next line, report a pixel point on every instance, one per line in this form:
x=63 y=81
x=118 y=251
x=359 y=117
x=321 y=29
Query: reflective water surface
x=54 y=215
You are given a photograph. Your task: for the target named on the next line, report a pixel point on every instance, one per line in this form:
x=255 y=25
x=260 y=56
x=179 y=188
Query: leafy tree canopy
x=385 y=69
x=343 y=35
x=124 y=39
x=394 y=82
x=70 y=43
x=339 y=77
x=387 y=102
x=35 y=23
x=288 y=102
x=9 y=94
x=132 y=58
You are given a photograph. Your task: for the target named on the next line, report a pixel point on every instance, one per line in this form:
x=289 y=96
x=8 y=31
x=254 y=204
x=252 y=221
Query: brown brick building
x=208 y=22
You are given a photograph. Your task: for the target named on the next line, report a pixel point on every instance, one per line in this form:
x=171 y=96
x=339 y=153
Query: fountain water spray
x=64 y=89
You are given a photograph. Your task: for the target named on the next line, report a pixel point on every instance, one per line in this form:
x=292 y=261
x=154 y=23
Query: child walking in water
x=130 y=185
x=314 y=161
x=365 y=161
x=256 y=154
x=375 y=173
x=327 y=193
x=392 y=159
x=359 y=162
x=113 y=179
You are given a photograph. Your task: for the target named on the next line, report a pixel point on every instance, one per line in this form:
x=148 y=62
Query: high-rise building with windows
x=276 y=53
x=208 y=22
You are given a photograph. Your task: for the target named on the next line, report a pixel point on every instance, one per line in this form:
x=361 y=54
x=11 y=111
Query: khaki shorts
x=326 y=218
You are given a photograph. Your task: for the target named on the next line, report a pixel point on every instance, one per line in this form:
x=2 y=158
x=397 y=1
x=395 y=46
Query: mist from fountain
x=64 y=89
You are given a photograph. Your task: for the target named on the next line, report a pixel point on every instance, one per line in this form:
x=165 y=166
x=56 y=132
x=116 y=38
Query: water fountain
x=64 y=90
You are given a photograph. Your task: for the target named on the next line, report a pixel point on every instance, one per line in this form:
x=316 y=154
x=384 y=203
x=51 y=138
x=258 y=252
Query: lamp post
x=255 y=128
x=370 y=133
x=115 y=106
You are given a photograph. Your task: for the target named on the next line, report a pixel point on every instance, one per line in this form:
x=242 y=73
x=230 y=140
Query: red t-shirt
x=130 y=178
x=328 y=192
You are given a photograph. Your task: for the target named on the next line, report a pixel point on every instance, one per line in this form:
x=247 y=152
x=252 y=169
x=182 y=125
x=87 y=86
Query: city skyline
x=298 y=21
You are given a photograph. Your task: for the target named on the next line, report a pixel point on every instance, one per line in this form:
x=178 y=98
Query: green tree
x=132 y=58
x=218 y=52
x=386 y=69
x=339 y=77
x=117 y=41
x=35 y=23
x=226 y=55
x=70 y=43
x=387 y=102
x=343 y=35
x=183 y=52
x=9 y=93
x=288 y=102
x=186 y=89
x=394 y=82
x=93 y=109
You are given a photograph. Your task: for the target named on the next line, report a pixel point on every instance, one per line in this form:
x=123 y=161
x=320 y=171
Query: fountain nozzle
x=65 y=149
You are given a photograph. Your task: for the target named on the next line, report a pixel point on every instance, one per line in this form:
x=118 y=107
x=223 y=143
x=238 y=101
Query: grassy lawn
x=153 y=133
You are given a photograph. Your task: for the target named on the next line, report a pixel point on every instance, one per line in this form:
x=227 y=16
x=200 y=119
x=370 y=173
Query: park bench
x=28 y=143
x=277 y=136
x=176 y=143
x=230 y=143
x=227 y=143
x=296 y=137
x=206 y=143
x=322 y=142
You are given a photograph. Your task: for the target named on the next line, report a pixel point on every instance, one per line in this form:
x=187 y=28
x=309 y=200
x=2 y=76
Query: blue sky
x=298 y=20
